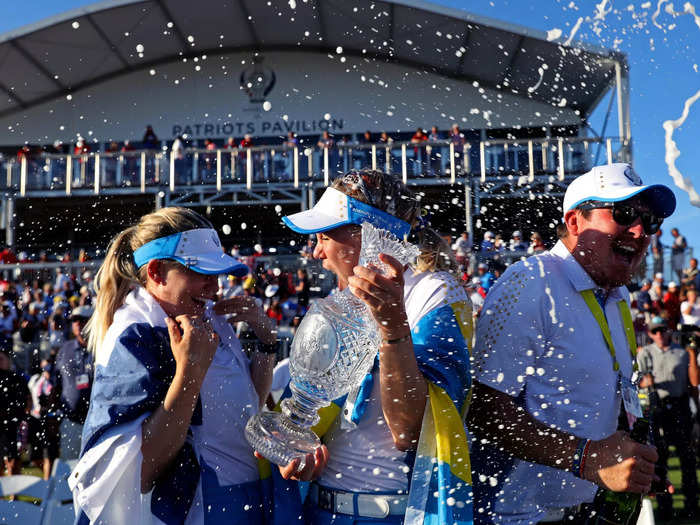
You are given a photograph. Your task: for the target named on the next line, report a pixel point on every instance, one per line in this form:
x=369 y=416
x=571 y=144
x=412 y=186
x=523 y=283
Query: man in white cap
x=516 y=242
x=554 y=350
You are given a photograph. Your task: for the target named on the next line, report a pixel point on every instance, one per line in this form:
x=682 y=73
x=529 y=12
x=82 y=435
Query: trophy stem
x=301 y=409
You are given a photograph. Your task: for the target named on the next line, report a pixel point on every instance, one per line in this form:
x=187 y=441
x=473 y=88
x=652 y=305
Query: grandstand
x=219 y=70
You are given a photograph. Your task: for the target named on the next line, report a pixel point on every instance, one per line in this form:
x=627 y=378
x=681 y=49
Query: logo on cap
x=632 y=176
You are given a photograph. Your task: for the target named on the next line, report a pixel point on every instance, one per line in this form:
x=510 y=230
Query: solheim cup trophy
x=332 y=351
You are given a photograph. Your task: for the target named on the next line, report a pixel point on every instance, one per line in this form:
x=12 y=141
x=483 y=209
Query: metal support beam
x=469 y=228
x=21 y=103
x=9 y=222
x=321 y=22
x=175 y=29
x=465 y=45
x=35 y=62
x=622 y=82
x=511 y=62
x=112 y=47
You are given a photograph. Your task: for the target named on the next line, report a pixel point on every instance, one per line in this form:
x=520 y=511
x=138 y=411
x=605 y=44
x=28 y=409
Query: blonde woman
x=387 y=429
x=163 y=441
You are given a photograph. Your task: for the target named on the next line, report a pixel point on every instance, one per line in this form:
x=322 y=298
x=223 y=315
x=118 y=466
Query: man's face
x=610 y=252
x=661 y=336
x=693 y=264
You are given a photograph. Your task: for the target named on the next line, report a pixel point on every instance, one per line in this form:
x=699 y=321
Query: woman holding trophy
x=397 y=450
x=163 y=441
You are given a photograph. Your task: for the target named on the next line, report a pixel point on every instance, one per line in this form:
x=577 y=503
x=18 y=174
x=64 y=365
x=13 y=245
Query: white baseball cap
x=335 y=209
x=614 y=183
x=199 y=250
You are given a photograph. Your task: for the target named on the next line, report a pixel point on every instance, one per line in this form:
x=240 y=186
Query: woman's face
x=181 y=291
x=339 y=249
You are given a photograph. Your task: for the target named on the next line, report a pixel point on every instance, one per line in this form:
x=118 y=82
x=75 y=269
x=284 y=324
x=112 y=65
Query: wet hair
x=388 y=193
x=118 y=274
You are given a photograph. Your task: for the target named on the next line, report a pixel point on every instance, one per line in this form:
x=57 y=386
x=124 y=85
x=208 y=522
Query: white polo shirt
x=537 y=341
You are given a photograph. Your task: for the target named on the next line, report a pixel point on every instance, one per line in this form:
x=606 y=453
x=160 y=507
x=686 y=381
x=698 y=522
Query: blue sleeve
x=134 y=381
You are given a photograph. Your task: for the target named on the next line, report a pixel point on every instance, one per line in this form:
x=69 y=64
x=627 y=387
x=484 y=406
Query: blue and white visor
x=336 y=209
x=199 y=250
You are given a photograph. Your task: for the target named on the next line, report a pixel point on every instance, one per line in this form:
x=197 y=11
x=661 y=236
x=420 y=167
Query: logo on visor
x=632 y=176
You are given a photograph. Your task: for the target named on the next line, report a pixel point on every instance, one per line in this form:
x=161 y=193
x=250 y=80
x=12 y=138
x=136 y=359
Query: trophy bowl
x=332 y=351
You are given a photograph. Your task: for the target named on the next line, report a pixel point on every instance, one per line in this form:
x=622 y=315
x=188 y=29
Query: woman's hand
x=246 y=309
x=383 y=294
x=193 y=343
x=313 y=466
x=240 y=308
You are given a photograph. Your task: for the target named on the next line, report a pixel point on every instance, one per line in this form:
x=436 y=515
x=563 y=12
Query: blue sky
x=663 y=52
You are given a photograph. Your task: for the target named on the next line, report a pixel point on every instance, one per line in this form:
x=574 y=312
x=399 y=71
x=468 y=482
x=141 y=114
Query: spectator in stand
x=657 y=298
x=81 y=147
x=24 y=152
x=247 y=141
x=476 y=295
x=274 y=311
x=30 y=333
x=671 y=371
x=678 y=253
x=657 y=287
x=74 y=376
x=301 y=289
x=15 y=403
x=58 y=326
x=367 y=138
x=536 y=244
x=672 y=305
x=150 y=140
x=690 y=274
x=419 y=136
x=485 y=276
x=325 y=141
x=487 y=244
x=499 y=245
x=516 y=242
x=230 y=143
x=657 y=253
x=462 y=248
x=177 y=150
x=307 y=251
x=291 y=141
x=457 y=137
x=7 y=256
x=44 y=432
x=233 y=288
x=644 y=302
x=690 y=311
x=8 y=323
x=385 y=139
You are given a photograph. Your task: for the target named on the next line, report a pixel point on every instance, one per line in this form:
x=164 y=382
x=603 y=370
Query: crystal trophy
x=332 y=351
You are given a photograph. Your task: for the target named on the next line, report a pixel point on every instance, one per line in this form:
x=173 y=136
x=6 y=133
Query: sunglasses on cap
x=626 y=214
x=660 y=330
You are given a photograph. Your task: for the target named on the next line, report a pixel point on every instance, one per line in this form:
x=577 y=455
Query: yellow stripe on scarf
x=451 y=439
